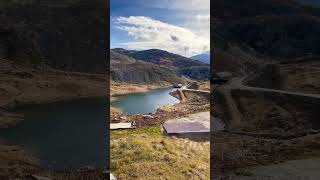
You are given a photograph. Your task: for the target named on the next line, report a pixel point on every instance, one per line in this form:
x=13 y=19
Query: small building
x=190 y=130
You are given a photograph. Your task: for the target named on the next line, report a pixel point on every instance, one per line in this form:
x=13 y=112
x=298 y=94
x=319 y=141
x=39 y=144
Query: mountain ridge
x=158 y=65
x=204 y=57
x=54 y=34
x=266 y=28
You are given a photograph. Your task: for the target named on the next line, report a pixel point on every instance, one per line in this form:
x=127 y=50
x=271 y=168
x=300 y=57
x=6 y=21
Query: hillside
x=270 y=47
x=205 y=57
x=50 y=50
x=267 y=26
x=151 y=66
x=65 y=35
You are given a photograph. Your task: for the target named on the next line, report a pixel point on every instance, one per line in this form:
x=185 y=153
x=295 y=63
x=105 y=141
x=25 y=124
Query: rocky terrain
x=145 y=152
x=49 y=51
x=59 y=34
x=269 y=104
x=154 y=65
x=266 y=27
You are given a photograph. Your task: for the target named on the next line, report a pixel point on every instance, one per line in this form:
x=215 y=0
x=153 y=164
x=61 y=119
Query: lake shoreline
x=118 y=89
x=38 y=88
x=127 y=89
x=149 y=101
x=39 y=163
x=14 y=118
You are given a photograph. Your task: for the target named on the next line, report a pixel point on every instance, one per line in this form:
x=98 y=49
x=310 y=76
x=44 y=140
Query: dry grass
x=125 y=88
x=204 y=85
x=146 y=154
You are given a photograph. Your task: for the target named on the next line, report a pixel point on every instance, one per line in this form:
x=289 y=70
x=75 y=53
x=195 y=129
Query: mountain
x=65 y=35
x=160 y=57
x=154 y=65
x=127 y=69
x=205 y=57
x=280 y=29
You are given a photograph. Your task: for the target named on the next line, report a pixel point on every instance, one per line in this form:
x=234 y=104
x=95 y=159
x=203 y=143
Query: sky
x=177 y=26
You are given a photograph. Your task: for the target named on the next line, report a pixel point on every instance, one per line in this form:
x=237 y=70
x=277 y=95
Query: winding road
x=236 y=83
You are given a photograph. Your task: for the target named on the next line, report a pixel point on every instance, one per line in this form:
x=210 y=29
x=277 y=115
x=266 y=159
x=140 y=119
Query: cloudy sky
x=177 y=26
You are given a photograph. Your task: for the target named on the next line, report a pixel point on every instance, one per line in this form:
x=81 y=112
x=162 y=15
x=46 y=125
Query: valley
x=133 y=88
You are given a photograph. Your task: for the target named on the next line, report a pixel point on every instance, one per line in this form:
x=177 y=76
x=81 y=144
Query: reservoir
x=146 y=102
x=63 y=134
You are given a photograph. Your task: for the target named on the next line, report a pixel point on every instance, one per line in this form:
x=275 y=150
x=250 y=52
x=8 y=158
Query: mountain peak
x=205 y=57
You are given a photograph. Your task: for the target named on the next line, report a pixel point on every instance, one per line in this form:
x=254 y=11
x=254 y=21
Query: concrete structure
x=195 y=127
x=117 y=126
x=172 y=128
x=112 y=177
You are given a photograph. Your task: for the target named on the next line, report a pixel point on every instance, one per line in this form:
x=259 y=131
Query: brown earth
x=272 y=127
x=126 y=88
x=234 y=154
x=301 y=75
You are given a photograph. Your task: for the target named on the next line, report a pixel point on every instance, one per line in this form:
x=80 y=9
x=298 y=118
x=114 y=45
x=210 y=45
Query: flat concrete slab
x=194 y=123
x=118 y=126
x=184 y=127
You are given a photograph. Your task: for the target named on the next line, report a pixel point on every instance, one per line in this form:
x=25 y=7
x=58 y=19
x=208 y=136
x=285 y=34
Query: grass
x=152 y=132
x=147 y=154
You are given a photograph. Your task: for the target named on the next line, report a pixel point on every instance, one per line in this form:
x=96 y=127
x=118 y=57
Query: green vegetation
x=147 y=154
x=152 y=132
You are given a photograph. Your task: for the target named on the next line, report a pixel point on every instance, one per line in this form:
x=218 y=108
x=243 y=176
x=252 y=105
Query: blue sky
x=178 y=26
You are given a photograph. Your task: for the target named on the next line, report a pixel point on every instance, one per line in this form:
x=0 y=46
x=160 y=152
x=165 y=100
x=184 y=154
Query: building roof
x=184 y=127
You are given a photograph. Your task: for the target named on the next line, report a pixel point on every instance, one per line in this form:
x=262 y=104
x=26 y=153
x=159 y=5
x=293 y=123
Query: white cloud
x=199 y=24
x=185 y=5
x=149 y=33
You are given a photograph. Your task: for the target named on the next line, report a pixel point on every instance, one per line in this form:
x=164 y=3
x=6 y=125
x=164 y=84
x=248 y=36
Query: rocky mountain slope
x=65 y=35
x=274 y=28
x=50 y=50
x=154 y=65
x=272 y=45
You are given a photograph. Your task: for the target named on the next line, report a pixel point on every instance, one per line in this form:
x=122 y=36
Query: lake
x=63 y=134
x=146 y=102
